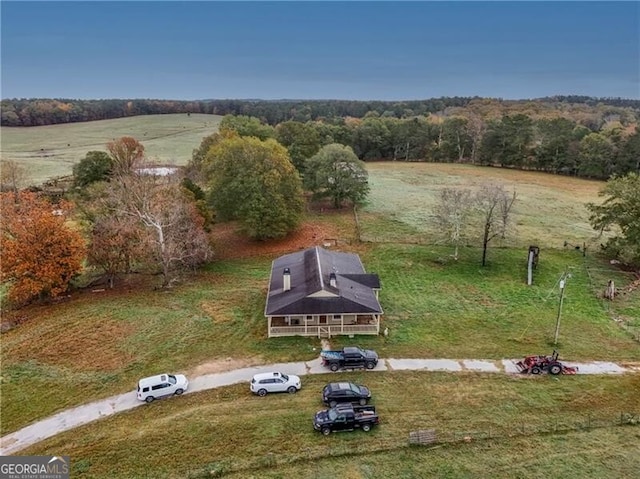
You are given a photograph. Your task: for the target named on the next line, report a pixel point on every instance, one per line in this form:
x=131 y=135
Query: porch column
x=268 y=326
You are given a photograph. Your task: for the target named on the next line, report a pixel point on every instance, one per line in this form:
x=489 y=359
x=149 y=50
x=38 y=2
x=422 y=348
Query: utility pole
x=562 y=284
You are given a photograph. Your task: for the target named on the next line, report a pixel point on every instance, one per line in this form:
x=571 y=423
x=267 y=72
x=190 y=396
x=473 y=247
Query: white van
x=161 y=385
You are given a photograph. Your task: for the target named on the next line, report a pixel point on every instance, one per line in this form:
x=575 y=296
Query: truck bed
x=331 y=355
x=364 y=415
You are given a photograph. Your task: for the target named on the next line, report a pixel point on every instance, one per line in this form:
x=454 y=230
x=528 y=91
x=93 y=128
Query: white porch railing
x=323 y=330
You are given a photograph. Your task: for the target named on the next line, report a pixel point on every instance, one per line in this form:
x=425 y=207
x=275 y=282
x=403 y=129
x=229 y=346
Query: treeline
x=44 y=111
x=555 y=145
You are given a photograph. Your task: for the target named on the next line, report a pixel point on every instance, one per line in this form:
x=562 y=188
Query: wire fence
x=374 y=443
x=555 y=425
x=597 y=283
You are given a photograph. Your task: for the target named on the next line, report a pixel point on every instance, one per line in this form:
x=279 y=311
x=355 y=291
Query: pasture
x=550 y=209
x=96 y=344
x=52 y=150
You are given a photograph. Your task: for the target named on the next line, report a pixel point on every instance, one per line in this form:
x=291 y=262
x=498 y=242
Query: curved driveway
x=70 y=418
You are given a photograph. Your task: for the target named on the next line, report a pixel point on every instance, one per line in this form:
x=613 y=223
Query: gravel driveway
x=71 y=418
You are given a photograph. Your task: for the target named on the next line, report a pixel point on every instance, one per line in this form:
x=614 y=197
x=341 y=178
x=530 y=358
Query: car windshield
x=333 y=414
x=285 y=377
x=354 y=388
x=172 y=379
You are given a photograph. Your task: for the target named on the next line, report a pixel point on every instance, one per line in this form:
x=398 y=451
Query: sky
x=319 y=50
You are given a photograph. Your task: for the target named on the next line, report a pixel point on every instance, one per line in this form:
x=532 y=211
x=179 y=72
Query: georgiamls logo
x=34 y=467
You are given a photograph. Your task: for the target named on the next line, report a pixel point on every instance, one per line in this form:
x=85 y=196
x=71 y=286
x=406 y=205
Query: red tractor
x=544 y=364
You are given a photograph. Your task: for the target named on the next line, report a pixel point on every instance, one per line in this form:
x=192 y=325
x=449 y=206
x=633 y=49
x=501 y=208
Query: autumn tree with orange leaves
x=39 y=253
x=127 y=153
x=115 y=245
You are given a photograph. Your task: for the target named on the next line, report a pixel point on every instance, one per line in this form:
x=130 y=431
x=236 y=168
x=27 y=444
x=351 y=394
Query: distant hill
x=51 y=151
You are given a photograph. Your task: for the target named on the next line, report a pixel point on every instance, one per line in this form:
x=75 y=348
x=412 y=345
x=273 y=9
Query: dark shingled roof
x=311 y=291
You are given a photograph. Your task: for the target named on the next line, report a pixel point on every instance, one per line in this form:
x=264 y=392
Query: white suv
x=261 y=384
x=161 y=385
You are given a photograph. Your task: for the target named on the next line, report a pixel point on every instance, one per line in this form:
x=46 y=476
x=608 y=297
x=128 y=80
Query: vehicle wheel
x=555 y=369
x=262 y=392
x=292 y=390
x=536 y=370
x=326 y=431
x=333 y=404
x=333 y=367
x=149 y=399
x=370 y=365
x=178 y=392
x=363 y=401
x=366 y=427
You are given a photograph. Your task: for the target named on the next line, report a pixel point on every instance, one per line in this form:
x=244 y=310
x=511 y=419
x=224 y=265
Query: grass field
x=229 y=431
x=98 y=344
x=550 y=209
x=49 y=151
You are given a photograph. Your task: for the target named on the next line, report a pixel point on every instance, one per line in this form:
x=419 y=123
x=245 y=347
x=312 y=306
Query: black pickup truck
x=345 y=417
x=349 y=358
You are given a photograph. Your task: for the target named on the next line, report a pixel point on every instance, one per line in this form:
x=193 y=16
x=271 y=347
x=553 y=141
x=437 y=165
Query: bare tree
x=13 y=176
x=452 y=214
x=494 y=203
x=476 y=127
x=174 y=230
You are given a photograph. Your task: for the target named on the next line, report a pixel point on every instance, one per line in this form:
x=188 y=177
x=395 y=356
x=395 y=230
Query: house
x=158 y=170
x=316 y=292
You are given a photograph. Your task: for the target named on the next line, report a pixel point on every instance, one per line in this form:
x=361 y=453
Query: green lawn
x=436 y=307
x=231 y=431
x=99 y=344
x=49 y=151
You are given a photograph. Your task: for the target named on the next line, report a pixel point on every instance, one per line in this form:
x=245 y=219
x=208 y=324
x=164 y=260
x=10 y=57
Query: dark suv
x=335 y=393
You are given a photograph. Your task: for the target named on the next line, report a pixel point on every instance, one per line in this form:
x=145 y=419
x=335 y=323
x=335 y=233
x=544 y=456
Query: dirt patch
x=230 y=243
x=223 y=365
x=634 y=366
x=80 y=348
x=219 y=311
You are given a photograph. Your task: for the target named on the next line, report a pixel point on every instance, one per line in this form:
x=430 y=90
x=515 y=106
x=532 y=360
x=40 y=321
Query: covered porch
x=324 y=325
